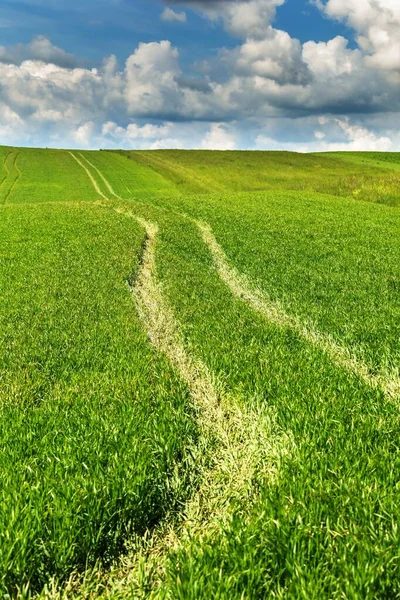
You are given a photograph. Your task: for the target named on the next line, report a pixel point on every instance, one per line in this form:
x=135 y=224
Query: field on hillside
x=199 y=383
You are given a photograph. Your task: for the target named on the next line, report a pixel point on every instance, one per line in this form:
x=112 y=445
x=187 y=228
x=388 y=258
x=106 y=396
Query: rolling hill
x=199 y=383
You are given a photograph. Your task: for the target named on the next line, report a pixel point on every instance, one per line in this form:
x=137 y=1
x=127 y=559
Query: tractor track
x=89 y=174
x=243 y=289
x=15 y=181
x=106 y=182
x=6 y=168
x=230 y=460
x=246 y=291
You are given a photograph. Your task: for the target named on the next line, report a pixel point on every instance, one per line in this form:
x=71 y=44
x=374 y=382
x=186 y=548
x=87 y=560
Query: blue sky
x=93 y=29
x=294 y=74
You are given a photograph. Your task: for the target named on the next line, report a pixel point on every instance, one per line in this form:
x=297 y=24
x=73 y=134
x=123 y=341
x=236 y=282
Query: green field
x=199 y=383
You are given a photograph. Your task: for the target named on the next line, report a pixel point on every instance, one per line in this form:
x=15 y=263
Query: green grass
x=46 y=176
x=94 y=427
x=130 y=178
x=212 y=171
x=10 y=174
x=334 y=262
x=390 y=160
x=4 y=153
x=42 y=175
x=328 y=527
x=98 y=432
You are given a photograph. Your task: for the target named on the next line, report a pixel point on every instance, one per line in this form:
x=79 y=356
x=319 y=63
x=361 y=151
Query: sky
x=302 y=75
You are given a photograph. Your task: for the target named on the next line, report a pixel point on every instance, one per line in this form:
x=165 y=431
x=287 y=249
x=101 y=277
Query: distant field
x=37 y=175
x=199 y=383
x=129 y=178
x=343 y=174
x=31 y=175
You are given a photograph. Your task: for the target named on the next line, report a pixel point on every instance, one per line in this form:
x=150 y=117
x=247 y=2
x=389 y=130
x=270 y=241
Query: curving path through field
x=105 y=181
x=243 y=289
x=227 y=459
x=89 y=174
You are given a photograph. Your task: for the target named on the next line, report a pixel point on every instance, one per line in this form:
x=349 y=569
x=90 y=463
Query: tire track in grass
x=13 y=177
x=7 y=171
x=106 y=182
x=236 y=443
x=89 y=174
x=243 y=289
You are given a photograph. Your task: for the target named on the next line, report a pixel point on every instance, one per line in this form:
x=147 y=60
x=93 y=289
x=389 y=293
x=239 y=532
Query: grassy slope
x=93 y=425
x=4 y=151
x=310 y=253
x=202 y=171
x=327 y=527
x=130 y=178
x=42 y=175
x=10 y=173
x=390 y=160
x=46 y=176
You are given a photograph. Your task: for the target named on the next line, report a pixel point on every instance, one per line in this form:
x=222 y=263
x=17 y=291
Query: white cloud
x=250 y=20
x=268 y=75
x=332 y=58
x=377 y=27
x=133 y=132
x=354 y=137
x=277 y=57
x=219 y=138
x=150 y=74
x=83 y=135
x=361 y=139
x=11 y=125
x=171 y=15
x=246 y=19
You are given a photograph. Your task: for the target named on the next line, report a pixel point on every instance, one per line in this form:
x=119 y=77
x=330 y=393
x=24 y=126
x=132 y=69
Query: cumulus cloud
x=12 y=127
x=270 y=77
x=169 y=14
x=332 y=58
x=360 y=138
x=84 y=134
x=377 y=27
x=133 y=132
x=157 y=136
x=242 y=18
x=277 y=57
x=150 y=80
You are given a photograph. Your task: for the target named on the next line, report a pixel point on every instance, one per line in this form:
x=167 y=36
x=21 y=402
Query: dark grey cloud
x=41 y=49
x=191 y=83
